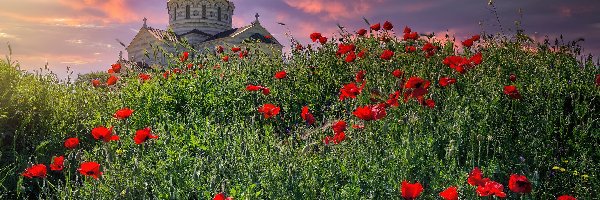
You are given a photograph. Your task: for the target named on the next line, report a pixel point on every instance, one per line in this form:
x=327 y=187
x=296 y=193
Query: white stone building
x=205 y=24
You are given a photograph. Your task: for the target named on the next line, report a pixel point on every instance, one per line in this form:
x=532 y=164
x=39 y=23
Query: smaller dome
x=208 y=16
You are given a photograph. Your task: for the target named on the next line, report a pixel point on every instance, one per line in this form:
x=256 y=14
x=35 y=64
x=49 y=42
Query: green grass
x=212 y=139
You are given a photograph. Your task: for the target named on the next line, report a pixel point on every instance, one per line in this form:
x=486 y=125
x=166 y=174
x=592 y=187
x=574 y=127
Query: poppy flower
x=123 y=113
x=416 y=88
x=144 y=77
x=491 y=188
x=328 y=139
x=370 y=112
x=361 y=32
x=220 y=49
x=323 y=40
x=111 y=71
x=445 y=81
x=393 y=99
x=243 y=54
x=350 y=57
x=387 y=54
x=253 y=88
x=116 y=67
x=344 y=49
x=450 y=194
x=398 y=73
x=280 y=74
x=58 y=163
x=512 y=92
x=90 y=169
x=339 y=126
x=351 y=90
x=429 y=47
x=406 y=30
x=360 y=76
x=307 y=116
x=476 y=59
x=411 y=191
x=112 y=80
x=597 y=79
x=221 y=196
x=429 y=103
x=339 y=137
x=299 y=47
x=388 y=26
x=266 y=91
x=142 y=135
x=566 y=197
x=375 y=27
x=105 y=134
x=361 y=54
x=268 y=36
x=177 y=71
x=467 y=43
x=519 y=184
x=226 y=58
x=235 y=49
x=315 y=36
x=410 y=49
x=166 y=74
x=190 y=66
x=36 y=171
x=411 y=36
x=512 y=77
x=184 y=56
x=71 y=143
x=476 y=37
x=95 y=82
x=476 y=178
x=269 y=110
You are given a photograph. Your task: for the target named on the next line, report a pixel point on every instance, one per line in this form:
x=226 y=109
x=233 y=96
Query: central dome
x=208 y=16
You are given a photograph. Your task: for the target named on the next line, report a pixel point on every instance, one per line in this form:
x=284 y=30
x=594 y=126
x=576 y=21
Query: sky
x=81 y=34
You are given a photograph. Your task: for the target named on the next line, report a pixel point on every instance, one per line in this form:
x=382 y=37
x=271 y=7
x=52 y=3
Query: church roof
x=162 y=34
x=196 y=31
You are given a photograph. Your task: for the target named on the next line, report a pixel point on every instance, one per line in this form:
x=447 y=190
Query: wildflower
x=370 y=112
x=512 y=92
x=323 y=40
x=111 y=71
x=467 y=43
x=226 y=58
x=220 y=49
x=388 y=26
x=450 y=194
x=221 y=196
x=235 y=49
x=406 y=30
x=411 y=191
x=243 y=54
x=387 y=54
x=36 y=171
x=393 y=99
x=123 y=113
x=166 y=74
x=416 y=88
x=268 y=37
x=307 y=116
x=116 y=67
x=112 y=80
x=491 y=188
x=361 y=32
x=476 y=59
x=411 y=36
x=398 y=73
x=339 y=126
x=519 y=184
x=445 y=81
x=105 y=134
x=95 y=82
x=350 y=57
x=361 y=54
x=144 y=77
x=280 y=74
x=360 y=76
x=566 y=197
x=58 y=163
x=344 y=49
x=512 y=77
x=351 y=90
x=269 y=110
x=598 y=80
x=90 y=169
x=184 y=56
x=71 y=143
x=475 y=38
x=375 y=27
x=299 y=47
x=142 y=135
x=410 y=49
x=476 y=178
x=429 y=103
x=315 y=36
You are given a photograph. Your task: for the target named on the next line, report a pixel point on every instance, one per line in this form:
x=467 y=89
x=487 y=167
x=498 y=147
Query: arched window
x=187 y=11
x=175 y=14
x=204 y=11
x=219 y=13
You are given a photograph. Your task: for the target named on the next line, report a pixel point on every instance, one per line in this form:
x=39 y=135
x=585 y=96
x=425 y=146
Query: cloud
x=334 y=9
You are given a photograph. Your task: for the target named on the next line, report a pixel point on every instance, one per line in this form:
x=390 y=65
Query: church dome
x=208 y=16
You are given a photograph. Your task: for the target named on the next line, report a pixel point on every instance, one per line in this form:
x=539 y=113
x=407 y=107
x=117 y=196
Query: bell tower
x=208 y=16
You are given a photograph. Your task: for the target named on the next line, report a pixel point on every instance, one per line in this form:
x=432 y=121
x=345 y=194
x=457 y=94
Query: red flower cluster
x=184 y=56
x=491 y=188
x=339 y=135
x=348 y=50
x=221 y=196
x=351 y=90
x=116 y=68
x=512 y=92
x=450 y=194
x=445 y=81
x=409 y=35
x=462 y=64
x=317 y=36
x=280 y=74
x=519 y=184
x=112 y=80
x=361 y=32
x=105 y=134
x=123 y=113
x=416 y=87
x=265 y=90
x=410 y=49
x=58 y=164
x=144 y=77
x=90 y=169
x=142 y=135
x=430 y=49
x=469 y=42
x=387 y=54
x=387 y=26
x=71 y=143
x=411 y=191
x=269 y=110
x=307 y=116
x=371 y=112
x=36 y=171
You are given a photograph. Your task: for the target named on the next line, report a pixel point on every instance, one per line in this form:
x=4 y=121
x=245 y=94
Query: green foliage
x=212 y=139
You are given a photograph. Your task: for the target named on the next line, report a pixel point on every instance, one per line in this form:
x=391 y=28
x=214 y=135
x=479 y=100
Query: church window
x=187 y=11
x=219 y=13
x=175 y=14
x=196 y=13
x=204 y=11
x=226 y=17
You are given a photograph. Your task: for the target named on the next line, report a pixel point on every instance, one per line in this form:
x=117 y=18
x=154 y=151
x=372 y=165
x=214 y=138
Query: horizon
x=83 y=35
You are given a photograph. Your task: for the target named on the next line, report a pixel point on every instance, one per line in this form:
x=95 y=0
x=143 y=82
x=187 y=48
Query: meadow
x=500 y=116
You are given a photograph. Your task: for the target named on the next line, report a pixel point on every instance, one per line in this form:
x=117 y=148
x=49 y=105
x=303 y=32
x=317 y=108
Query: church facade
x=204 y=24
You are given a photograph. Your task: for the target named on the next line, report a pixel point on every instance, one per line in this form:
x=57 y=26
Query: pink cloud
x=334 y=9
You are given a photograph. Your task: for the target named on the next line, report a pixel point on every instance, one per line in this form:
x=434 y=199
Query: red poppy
x=323 y=40
x=375 y=27
x=111 y=71
x=387 y=54
x=450 y=194
x=388 y=26
x=112 y=80
x=268 y=36
x=411 y=36
x=361 y=32
x=416 y=88
x=361 y=54
x=410 y=49
x=345 y=48
x=491 y=188
x=512 y=92
x=142 y=135
x=445 y=81
x=226 y=58
x=184 y=56
x=280 y=74
x=235 y=49
x=269 y=110
x=350 y=57
x=475 y=38
x=398 y=73
x=90 y=169
x=429 y=47
x=477 y=58
x=597 y=79
x=566 y=197
x=36 y=171
x=467 y=43
x=512 y=77
x=105 y=134
x=123 y=113
x=307 y=116
x=177 y=71
x=315 y=36
x=519 y=184
x=360 y=76
x=71 y=143
x=266 y=91
x=370 y=112
x=95 y=82
x=243 y=54
x=221 y=196
x=58 y=163
x=116 y=67
x=406 y=30
x=253 y=88
x=144 y=77
x=220 y=49
x=350 y=91
x=429 y=103
x=393 y=99
x=476 y=178
x=190 y=66
x=339 y=126
x=339 y=137
x=166 y=74
x=299 y=47
x=411 y=190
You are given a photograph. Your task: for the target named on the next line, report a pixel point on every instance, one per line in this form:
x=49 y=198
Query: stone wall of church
x=209 y=16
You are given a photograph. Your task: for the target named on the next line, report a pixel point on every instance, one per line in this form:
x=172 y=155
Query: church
x=204 y=24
